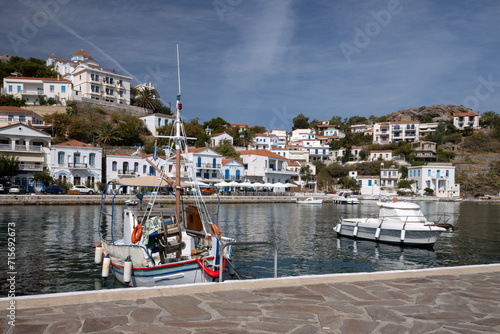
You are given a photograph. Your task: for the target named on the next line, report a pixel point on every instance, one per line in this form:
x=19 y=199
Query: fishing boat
x=397 y=223
x=309 y=200
x=161 y=245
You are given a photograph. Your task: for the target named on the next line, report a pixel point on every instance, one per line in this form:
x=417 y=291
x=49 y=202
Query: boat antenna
x=178 y=70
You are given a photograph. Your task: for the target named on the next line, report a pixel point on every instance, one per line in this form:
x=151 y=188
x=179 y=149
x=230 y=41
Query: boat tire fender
x=215 y=230
x=136 y=234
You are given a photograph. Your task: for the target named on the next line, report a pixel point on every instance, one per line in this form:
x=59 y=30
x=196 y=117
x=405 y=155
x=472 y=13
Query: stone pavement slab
x=445 y=300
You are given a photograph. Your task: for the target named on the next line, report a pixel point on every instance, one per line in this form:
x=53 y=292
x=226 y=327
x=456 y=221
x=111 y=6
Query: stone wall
x=114 y=107
x=474 y=164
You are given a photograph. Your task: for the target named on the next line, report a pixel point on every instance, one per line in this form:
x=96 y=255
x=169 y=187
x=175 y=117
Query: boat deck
x=442 y=300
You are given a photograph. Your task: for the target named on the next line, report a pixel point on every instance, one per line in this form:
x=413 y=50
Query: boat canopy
x=143 y=181
x=403 y=211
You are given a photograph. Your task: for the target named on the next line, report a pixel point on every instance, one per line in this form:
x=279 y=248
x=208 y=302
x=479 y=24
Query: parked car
x=82 y=190
x=53 y=189
x=15 y=189
x=330 y=192
x=2 y=189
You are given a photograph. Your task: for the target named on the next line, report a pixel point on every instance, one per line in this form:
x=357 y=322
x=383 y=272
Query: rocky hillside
x=437 y=113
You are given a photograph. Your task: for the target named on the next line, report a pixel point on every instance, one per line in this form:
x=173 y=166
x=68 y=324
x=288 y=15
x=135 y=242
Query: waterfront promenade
x=442 y=300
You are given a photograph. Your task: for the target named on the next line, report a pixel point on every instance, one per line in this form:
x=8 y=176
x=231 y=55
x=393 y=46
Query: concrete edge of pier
x=84 y=297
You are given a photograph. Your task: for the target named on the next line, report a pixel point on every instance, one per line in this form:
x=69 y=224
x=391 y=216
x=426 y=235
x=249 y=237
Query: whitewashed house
x=155 y=121
x=12 y=115
x=385 y=155
x=232 y=170
x=91 y=80
x=30 y=89
x=76 y=162
x=370 y=184
x=30 y=146
x=316 y=150
x=265 y=141
x=207 y=164
x=440 y=177
x=282 y=136
x=297 y=153
x=216 y=139
x=389 y=177
x=394 y=132
x=466 y=119
x=265 y=166
x=355 y=128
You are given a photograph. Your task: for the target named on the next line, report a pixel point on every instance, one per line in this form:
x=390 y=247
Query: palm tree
x=106 y=133
x=245 y=138
x=146 y=99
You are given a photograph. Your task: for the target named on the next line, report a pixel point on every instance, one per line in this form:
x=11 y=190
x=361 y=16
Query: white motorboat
x=309 y=200
x=398 y=223
x=345 y=198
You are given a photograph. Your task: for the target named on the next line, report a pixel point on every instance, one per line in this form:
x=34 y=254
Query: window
x=237 y=174
x=22 y=118
x=18 y=88
x=159 y=122
x=10 y=118
x=199 y=162
x=136 y=166
x=125 y=167
x=226 y=174
x=428 y=172
x=60 y=158
x=419 y=172
x=63 y=89
x=447 y=173
x=144 y=168
x=214 y=163
x=114 y=166
x=109 y=91
x=10 y=88
x=92 y=159
x=52 y=88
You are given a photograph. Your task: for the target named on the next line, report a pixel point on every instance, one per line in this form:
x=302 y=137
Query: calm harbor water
x=55 y=252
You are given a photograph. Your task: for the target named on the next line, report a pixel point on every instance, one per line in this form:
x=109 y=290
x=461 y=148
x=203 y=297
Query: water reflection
x=54 y=244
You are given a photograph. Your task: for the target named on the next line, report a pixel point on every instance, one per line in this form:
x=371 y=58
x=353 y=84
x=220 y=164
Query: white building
x=90 y=80
x=76 y=162
x=282 y=136
x=427 y=128
x=265 y=166
x=439 y=177
x=302 y=134
x=360 y=128
x=155 y=121
x=12 y=115
x=331 y=131
x=385 y=155
x=207 y=164
x=232 y=170
x=317 y=151
x=216 y=139
x=30 y=146
x=466 y=119
x=355 y=150
x=30 y=89
x=389 y=177
x=265 y=141
x=394 y=132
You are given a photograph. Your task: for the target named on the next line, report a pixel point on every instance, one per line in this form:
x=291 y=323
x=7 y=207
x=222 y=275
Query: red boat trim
x=210 y=272
x=162 y=266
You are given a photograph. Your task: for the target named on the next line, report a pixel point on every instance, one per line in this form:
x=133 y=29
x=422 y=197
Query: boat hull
x=186 y=272
x=392 y=233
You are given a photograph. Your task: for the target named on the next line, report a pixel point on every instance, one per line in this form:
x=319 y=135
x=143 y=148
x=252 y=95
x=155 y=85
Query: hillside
x=427 y=114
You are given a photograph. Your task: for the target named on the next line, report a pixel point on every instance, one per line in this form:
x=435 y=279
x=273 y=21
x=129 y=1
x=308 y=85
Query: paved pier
x=444 y=300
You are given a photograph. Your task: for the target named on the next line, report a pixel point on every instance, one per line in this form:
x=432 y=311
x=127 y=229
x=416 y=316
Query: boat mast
x=178 y=145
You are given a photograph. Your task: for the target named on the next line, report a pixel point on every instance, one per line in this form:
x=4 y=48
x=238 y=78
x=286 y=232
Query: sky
x=263 y=62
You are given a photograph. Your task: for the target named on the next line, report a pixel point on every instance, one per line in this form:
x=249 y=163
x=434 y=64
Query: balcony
x=30 y=167
x=209 y=166
x=21 y=148
x=126 y=172
x=232 y=178
x=77 y=165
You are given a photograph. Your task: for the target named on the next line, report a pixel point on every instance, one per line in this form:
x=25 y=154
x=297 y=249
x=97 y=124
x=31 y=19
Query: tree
x=429 y=191
x=349 y=183
x=203 y=139
x=226 y=149
x=217 y=125
x=106 y=133
x=146 y=99
x=490 y=119
x=405 y=183
x=305 y=174
x=9 y=165
x=244 y=138
x=32 y=67
x=11 y=101
x=300 y=122
x=44 y=177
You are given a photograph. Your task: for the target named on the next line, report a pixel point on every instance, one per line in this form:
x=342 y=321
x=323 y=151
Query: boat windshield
x=409 y=215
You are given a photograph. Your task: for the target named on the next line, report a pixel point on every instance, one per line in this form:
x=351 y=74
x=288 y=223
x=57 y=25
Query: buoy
x=127 y=271
x=105 y=266
x=394 y=199
x=98 y=254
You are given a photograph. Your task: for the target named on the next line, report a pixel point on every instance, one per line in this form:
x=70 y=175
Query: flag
x=155 y=153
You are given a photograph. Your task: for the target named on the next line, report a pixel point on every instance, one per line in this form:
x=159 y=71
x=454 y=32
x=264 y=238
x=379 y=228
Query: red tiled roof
x=263 y=153
x=197 y=149
x=381 y=151
x=265 y=135
x=75 y=143
x=52 y=56
x=121 y=154
x=81 y=53
x=217 y=134
x=463 y=114
x=6 y=108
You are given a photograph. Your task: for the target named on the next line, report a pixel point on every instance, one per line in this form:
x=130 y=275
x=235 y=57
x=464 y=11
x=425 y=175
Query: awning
x=143 y=181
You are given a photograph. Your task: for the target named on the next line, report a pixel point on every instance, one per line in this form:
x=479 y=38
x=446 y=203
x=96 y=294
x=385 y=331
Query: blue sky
x=263 y=62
